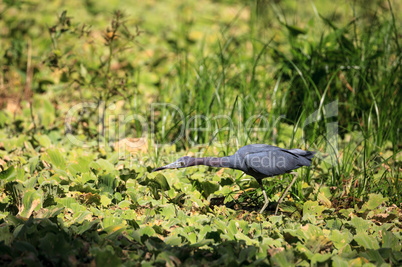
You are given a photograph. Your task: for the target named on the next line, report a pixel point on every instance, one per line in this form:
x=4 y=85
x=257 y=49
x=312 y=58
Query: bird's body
x=257 y=160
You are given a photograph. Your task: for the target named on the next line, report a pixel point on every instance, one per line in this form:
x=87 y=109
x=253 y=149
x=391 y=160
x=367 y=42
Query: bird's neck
x=223 y=162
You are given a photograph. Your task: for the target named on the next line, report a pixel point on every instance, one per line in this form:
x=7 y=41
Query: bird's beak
x=173 y=165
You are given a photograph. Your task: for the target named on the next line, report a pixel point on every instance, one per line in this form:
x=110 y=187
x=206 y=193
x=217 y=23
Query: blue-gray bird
x=257 y=160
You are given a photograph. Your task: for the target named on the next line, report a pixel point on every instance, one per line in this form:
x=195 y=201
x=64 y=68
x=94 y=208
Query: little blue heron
x=258 y=160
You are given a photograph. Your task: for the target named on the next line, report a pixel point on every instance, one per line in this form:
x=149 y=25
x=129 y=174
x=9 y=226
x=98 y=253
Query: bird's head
x=180 y=163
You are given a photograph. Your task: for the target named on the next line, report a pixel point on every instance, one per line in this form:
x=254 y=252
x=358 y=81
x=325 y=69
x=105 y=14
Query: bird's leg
x=265 y=197
x=286 y=190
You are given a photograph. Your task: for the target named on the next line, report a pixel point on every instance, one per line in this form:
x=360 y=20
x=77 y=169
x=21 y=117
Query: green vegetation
x=94 y=95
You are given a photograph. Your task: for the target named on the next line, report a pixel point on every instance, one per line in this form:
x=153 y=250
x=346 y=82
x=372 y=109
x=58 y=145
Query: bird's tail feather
x=306 y=155
x=309 y=154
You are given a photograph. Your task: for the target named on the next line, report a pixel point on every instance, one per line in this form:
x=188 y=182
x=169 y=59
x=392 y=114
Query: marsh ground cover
x=92 y=99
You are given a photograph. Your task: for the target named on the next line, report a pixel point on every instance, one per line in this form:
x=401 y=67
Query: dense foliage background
x=95 y=94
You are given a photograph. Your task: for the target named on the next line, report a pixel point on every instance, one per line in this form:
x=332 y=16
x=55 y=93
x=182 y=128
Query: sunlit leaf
x=55 y=157
x=7 y=173
x=30 y=201
x=374 y=201
x=311 y=210
x=367 y=241
x=389 y=240
x=340 y=239
x=44 y=140
x=105 y=201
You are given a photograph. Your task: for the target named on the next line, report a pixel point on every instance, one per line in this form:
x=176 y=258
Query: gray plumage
x=257 y=160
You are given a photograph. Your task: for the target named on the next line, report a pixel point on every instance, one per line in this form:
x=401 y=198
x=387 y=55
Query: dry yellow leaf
x=132 y=145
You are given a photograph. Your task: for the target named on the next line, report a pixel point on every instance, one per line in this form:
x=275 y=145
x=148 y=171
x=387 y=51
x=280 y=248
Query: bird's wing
x=271 y=163
x=303 y=157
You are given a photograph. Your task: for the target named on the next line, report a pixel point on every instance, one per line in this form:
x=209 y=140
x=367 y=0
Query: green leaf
x=360 y=224
x=105 y=201
x=102 y=164
x=340 y=239
x=81 y=216
x=106 y=256
x=338 y=261
x=311 y=210
x=25 y=247
x=205 y=242
x=318 y=257
x=147 y=230
x=30 y=201
x=373 y=256
x=5 y=234
x=81 y=167
x=283 y=258
x=163 y=183
x=304 y=250
x=294 y=30
x=33 y=164
x=44 y=110
x=158 y=229
x=49 y=213
x=83 y=71
x=7 y=173
x=44 y=140
x=173 y=240
x=168 y=259
x=14 y=189
x=55 y=157
x=346 y=212
x=232 y=227
x=4 y=119
x=389 y=240
x=85 y=226
x=115 y=229
x=367 y=241
x=192 y=238
x=208 y=188
x=108 y=183
x=374 y=201
x=324 y=200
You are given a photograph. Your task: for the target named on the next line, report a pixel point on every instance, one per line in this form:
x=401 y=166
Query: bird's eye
x=181 y=163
